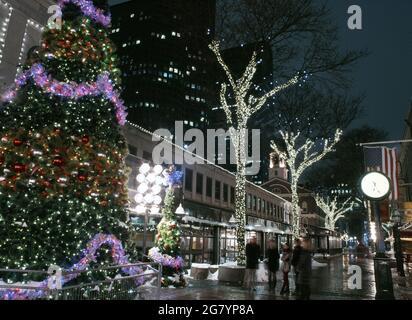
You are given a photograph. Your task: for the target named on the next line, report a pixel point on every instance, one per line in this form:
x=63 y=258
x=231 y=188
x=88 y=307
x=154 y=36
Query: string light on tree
x=299 y=157
x=63 y=178
x=246 y=104
x=333 y=210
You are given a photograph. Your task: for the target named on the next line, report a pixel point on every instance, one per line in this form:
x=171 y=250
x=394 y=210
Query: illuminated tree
x=62 y=171
x=299 y=157
x=333 y=210
x=245 y=106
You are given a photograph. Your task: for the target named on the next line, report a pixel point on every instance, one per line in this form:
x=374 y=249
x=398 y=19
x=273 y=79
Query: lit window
x=186 y=122
x=191 y=123
x=178 y=35
x=132 y=15
x=163 y=37
x=173 y=33
x=124 y=45
x=187 y=98
x=137 y=41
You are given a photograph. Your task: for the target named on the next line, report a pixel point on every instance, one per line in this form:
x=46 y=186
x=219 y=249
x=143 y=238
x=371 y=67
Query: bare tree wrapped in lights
x=300 y=157
x=237 y=116
x=333 y=210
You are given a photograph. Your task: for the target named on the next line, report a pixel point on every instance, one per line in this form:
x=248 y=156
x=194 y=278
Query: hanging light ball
x=82 y=177
x=58 y=161
x=85 y=139
x=17 y=142
x=19 y=167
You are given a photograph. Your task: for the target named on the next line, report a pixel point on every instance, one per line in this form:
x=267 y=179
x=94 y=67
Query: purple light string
x=103 y=86
x=89 y=255
x=89 y=10
x=166 y=260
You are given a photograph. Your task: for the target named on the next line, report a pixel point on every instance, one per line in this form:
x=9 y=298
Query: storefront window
x=228 y=245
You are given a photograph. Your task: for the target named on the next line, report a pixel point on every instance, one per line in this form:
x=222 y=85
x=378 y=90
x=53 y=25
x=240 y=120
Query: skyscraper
x=165 y=60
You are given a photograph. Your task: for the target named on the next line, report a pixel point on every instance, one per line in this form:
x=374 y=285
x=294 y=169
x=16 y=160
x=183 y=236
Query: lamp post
x=376 y=186
x=148 y=197
x=396 y=218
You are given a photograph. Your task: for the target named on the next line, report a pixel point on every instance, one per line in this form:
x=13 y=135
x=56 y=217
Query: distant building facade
x=208 y=196
x=165 y=60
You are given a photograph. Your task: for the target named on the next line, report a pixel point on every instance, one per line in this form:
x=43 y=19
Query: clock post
x=376 y=187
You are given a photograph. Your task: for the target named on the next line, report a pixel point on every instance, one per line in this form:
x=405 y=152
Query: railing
x=144 y=285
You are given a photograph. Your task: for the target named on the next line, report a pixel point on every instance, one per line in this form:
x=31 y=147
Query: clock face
x=375 y=185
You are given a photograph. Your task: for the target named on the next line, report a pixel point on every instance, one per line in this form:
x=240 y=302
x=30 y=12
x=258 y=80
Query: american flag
x=384 y=160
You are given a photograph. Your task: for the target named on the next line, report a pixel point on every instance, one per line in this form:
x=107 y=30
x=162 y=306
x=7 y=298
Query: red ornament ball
x=85 y=139
x=19 y=167
x=17 y=142
x=58 y=161
x=82 y=178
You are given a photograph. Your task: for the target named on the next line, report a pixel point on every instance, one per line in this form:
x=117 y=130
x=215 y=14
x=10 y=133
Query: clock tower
x=277 y=167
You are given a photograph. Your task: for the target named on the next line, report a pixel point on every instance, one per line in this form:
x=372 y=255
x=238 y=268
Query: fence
x=142 y=285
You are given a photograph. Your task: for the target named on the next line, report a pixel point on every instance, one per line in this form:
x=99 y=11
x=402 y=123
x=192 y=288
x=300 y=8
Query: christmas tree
x=62 y=172
x=167 y=250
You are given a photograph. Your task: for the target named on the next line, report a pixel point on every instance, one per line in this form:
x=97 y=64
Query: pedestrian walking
x=252 y=264
x=304 y=268
x=273 y=263
x=295 y=260
x=285 y=268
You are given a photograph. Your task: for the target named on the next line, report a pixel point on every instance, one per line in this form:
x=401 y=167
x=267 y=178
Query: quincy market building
x=208 y=200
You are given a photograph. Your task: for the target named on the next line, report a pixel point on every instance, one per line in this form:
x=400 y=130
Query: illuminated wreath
x=89 y=10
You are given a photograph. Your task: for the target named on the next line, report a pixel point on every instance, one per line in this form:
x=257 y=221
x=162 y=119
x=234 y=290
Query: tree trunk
x=240 y=201
x=295 y=210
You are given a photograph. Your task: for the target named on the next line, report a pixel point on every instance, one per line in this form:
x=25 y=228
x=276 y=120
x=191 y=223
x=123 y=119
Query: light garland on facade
x=103 y=86
x=299 y=159
x=29 y=23
x=246 y=104
x=333 y=210
x=4 y=27
x=88 y=9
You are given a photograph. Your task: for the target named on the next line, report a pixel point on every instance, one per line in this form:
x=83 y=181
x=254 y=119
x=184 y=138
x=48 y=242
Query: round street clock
x=375 y=185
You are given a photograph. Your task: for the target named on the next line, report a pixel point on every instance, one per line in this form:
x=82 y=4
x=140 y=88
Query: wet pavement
x=329 y=282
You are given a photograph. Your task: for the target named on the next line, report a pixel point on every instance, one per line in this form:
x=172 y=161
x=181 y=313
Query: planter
x=232 y=274
x=199 y=271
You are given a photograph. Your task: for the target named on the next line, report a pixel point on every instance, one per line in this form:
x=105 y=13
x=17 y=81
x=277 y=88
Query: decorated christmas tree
x=168 y=238
x=62 y=173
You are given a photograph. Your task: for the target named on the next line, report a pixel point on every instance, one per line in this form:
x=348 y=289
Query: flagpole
x=384 y=142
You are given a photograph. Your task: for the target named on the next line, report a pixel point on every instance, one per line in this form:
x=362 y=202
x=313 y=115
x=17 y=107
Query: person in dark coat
x=295 y=260
x=273 y=263
x=304 y=267
x=252 y=263
x=286 y=257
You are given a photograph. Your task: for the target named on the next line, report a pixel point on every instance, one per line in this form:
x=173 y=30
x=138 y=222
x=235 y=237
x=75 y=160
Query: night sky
x=385 y=75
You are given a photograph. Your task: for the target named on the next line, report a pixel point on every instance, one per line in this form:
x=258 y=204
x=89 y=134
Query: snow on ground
x=21 y=285
x=201 y=265
x=316 y=264
x=231 y=264
x=213 y=276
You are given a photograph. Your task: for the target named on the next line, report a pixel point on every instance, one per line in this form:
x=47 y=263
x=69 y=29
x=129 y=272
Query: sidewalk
x=329 y=282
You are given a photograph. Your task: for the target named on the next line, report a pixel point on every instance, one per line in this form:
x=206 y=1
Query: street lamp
x=148 y=197
x=180 y=211
x=232 y=220
x=396 y=219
